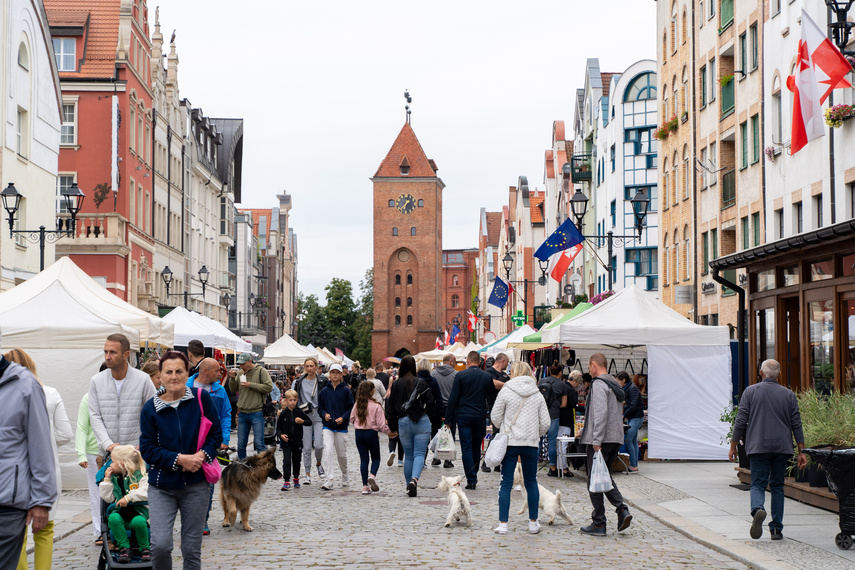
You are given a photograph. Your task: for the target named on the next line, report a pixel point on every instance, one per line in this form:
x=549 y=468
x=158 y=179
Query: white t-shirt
x=118 y=386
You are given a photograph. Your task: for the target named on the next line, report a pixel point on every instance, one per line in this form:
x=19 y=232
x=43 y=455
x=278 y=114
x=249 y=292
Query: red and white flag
x=438 y=343
x=820 y=69
x=473 y=321
x=562 y=260
x=447 y=338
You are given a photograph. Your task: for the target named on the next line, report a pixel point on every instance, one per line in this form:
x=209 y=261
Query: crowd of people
x=147 y=437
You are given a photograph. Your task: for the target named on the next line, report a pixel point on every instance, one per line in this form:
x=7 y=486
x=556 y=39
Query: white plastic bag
x=496 y=452
x=600 y=480
x=445 y=449
x=433 y=442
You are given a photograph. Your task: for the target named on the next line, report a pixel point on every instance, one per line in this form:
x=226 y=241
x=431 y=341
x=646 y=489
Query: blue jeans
x=552 y=435
x=163 y=505
x=528 y=458
x=769 y=469
x=472 y=432
x=415 y=438
x=245 y=421
x=630 y=440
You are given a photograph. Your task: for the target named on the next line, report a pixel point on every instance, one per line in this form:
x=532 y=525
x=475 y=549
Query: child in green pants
x=126 y=483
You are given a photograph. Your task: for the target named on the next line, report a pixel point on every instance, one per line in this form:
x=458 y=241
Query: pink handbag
x=211 y=470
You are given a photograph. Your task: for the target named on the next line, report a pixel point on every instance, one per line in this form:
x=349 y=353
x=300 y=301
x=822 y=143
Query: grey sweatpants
x=313 y=439
x=163 y=505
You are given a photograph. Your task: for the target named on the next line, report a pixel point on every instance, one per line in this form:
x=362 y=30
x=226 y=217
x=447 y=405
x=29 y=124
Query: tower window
x=397 y=279
x=412 y=231
x=409 y=319
x=455 y=301
x=421 y=203
x=397 y=301
x=409 y=278
x=394 y=231
x=455 y=281
x=397 y=320
x=409 y=301
x=391 y=203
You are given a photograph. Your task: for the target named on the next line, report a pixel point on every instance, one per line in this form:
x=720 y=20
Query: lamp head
x=203 y=275
x=579 y=205
x=11 y=199
x=166 y=275
x=508 y=262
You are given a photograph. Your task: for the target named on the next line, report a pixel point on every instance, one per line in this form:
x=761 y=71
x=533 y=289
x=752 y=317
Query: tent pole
x=740 y=328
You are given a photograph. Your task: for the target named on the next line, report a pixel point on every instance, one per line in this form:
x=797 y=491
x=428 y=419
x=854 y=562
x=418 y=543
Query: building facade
x=458 y=284
x=487 y=264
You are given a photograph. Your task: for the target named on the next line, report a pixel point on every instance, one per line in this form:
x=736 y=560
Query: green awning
x=577 y=310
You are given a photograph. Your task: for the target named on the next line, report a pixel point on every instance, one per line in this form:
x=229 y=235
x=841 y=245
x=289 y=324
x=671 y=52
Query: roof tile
x=406 y=146
x=101 y=37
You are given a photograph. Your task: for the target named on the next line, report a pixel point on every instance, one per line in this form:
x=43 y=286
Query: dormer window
x=65 y=51
x=405 y=167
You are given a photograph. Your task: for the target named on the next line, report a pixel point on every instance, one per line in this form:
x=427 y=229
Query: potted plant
x=672 y=123
x=728 y=416
x=725 y=80
x=828 y=422
x=661 y=133
x=834 y=116
x=684 y=116
x=771 y=153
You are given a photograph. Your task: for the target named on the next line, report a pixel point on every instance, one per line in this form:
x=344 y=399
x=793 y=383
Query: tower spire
x=407 y=106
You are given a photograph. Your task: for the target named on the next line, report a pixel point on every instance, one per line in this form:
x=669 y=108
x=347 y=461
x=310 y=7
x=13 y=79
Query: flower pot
x=815 y=476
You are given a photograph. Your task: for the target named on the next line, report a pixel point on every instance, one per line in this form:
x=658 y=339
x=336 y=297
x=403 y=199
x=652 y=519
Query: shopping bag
x=433 y=442
x=445 y=449
x=600 y=480
x=496 y=452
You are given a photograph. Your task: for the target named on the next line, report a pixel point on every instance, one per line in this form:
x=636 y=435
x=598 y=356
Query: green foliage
x=579 y=299
x=99 y=194
x=364 y=321
x=827 y=419
x=728 y=416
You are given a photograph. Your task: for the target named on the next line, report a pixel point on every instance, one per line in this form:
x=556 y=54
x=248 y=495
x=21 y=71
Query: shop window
x=765 y=342
x=848 y=314
x=821 y=351
x=822 y=270
x=848 y=265
x=790 y=275
x=766 y=280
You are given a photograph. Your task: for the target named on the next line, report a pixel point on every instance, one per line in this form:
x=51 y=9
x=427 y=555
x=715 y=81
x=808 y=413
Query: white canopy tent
x=462 y=351
x=501 y=345
x=433 y=355
x=287 y=351
x=689 y=369
x=190 y=326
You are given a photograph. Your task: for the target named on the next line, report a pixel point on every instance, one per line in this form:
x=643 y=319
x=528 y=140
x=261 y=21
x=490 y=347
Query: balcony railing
x=228 y=280
x=728 y=98
x=728 y=189
x=726 y=15
x=581 y=164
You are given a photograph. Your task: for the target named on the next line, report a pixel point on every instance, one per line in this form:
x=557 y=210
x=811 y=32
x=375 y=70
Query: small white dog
x=549 y=503
x=456 y=500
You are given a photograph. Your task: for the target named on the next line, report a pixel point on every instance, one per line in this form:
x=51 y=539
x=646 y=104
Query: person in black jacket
x=567 y=419
x=435 y=415
x=633 y=413
x=467 y=409
x=289 y=432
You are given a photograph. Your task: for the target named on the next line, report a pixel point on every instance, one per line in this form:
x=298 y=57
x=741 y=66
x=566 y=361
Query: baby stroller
x=107 y=558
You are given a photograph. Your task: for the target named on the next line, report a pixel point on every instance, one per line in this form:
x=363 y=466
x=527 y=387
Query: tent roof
x=286 y=350
x=634 y=318
x=433 y=355
x=88 y=293
x=190 y=325
x=515 y=336
x=538 y=336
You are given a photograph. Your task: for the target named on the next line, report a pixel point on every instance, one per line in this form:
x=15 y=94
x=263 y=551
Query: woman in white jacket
x=520 y=398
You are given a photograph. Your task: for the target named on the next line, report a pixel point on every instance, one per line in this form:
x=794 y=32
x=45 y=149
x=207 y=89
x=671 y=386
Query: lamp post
x=842 y=27
x=640 y=203
x=166 y=275
x=508 y=262
x=73 y=200
x=300 y=318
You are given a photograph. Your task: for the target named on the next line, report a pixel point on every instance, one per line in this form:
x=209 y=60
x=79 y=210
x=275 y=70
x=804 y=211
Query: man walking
x=195 y=354
x=768 y=420
x=117 y=396
x=254 y=384
x=334 y=405
x=467 y=408
x=603 y=431
x=26 y=459
x=555 y=392
x=444 y=375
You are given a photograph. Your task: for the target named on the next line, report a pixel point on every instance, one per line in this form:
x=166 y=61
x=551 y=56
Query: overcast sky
x=320 y=88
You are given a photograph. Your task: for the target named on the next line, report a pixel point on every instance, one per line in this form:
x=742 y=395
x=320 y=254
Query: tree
x=364 y=322
x=313 y=330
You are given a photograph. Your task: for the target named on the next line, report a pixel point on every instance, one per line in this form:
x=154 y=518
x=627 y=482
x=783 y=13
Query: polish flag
x=562 y=260
x=447 y=337
x=438 y=343
x=473 y=321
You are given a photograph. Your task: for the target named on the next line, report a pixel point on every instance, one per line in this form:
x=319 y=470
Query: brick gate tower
x=407 y=250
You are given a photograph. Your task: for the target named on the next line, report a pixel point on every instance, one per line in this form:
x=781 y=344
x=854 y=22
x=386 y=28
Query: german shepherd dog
x=241 y=484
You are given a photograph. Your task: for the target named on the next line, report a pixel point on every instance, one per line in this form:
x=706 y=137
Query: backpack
x=420 y=401
x=547 y=392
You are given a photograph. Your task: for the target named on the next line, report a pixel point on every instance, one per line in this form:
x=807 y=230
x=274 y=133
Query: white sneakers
x=327 y=486
x=534 y=527
x=391 y=460
x=372 y=483
x=306 y=480
x=502 y=528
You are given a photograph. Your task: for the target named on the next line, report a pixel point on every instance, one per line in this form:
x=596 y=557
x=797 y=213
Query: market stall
x=190 y=326
x=287 y=351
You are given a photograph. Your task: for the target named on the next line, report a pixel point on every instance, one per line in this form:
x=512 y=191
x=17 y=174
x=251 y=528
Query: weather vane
x=407 y=106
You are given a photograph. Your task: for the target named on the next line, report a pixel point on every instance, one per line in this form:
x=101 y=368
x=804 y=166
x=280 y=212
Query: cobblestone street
x=309 y=527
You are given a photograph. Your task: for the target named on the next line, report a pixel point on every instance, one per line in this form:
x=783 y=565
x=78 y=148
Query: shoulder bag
x=307 y=407
x=499 y=444
x=211 y=470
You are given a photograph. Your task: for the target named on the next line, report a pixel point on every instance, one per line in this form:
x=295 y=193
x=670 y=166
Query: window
x=409 y=301
x=397 y=301
x=455 y=281
x=676 y=258
x=712 y=8
x=745 y=233
x=779 y=222
x=712 y=73
x=412 y=231
x=613 y=211
x=68 y=132
x=685 y=107
x=817 y=207
x=455 y=301
x=755 y=139
x=714 y=243
x=665 y=259
x=394 y=231
x=675 y=175
x=391 y=203
x=703 y=86
x=755 y=222
x=701 y=13
x=797 y=217
x=743 y=137
x=63 y=182
x=755 y=52
x=687 y=173
x=64 y=50
x=421 y=203
x=714 y=161
x=664 y=186
x=687 y=252
x=776 y=7
x=397 y=279
x=703 y=172
x=409 y=278
x=409 y=319
x=397 y=320
x=778 y=110
x=852 y=201
x=642 y=88
x=21 y=133
x=705 y=239
x=612 y=157
x=743 y=54
x=23 y=56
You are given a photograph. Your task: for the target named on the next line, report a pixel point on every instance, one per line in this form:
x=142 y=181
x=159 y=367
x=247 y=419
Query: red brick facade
x=458 y=274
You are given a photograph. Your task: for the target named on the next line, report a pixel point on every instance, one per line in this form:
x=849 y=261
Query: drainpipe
x=152 y=217
x=169 y=184
x=740 y=327
x=694 y=119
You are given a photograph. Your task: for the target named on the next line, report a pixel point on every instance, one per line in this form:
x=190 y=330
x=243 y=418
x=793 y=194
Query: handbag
x=307 y=407
x=495 y=454
x=600 y=480
x=418 y=402
x=211 y=470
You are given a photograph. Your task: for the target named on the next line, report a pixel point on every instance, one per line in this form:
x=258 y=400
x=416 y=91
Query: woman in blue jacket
x=169 y=426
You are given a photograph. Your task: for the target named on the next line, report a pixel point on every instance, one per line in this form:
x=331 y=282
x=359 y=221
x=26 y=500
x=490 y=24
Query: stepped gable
x=406 y=150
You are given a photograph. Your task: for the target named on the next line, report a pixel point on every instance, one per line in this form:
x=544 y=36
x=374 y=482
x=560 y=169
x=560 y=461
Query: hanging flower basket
x=596 y=299
x=725 y=80
x=771 y=153
x=834 y=116
x=672 y=123
x=661 y=133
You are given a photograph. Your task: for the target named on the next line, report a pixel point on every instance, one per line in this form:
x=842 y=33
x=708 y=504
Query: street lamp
x=842 y=28
x=508 y=262
x=72 y=198
x=166 y=275
x=300 y=318
x=640 y=204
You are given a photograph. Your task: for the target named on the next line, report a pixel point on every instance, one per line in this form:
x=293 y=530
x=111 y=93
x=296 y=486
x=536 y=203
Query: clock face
x=405 y=203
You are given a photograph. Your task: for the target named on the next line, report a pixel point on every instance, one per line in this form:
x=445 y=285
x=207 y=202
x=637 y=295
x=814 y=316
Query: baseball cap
x=335 y=367
x=244 y=357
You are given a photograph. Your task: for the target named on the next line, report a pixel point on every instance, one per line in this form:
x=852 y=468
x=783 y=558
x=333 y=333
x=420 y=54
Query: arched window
x=675 y=89
x=685 y=27
x=397 y=320
x=664 y=46
x=409 y=301
x=409 y=278
x=391 y=203
x=397 y=279
x=685 y=89
x=665 y=184
x=397 y=301
x=409 y=319
x=413 y=231
x=675 y=177
x=664 y=103
x=421 y=203
x=687 y=174
x=641 y=88
x=687 y=251
x=455 y=281
x=394 y=231
x=23 y=56
x=676 y=271
x=673 y=33
x=665 y=260
x=455 y=301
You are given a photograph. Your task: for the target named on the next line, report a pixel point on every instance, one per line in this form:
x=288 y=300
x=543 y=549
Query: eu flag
x=454 y=332
x=565 y=237
x=499 y=296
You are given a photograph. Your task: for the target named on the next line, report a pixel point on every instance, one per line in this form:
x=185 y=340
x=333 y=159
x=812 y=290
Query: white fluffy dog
x=456 y=500
x=549 y=503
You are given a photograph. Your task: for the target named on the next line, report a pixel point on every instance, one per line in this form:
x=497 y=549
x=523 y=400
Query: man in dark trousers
x=467 y=409
x=603 y=431
x=768 y=420
x=496 y=370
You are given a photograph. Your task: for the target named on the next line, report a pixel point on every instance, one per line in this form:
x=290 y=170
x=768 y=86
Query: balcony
x=728 y=189
x=96 y=233
x=581 y=164
x=728 y=98
x=228 y=280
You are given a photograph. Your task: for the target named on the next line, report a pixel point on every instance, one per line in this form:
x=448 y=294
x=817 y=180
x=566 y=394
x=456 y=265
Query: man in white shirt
x=116 y=397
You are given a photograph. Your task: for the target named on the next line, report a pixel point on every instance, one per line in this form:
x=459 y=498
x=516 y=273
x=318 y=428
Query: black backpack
x=547 y=392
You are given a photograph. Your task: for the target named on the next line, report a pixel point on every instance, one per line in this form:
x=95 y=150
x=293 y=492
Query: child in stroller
x=125 y=485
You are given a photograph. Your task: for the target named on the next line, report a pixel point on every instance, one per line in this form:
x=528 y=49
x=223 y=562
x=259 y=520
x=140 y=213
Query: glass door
x=821 y=348
x=848 y=338
x=791 y=363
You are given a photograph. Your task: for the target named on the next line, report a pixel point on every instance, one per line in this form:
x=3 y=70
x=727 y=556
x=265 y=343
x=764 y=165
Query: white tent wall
x=688 y=388
x=68 y=370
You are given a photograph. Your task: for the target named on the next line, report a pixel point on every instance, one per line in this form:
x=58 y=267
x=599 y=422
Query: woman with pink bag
x=179 y=452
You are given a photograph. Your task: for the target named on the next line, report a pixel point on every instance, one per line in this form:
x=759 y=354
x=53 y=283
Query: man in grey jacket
x=27 y=468
x=116 y=397
x=767 y=421
x=603 y=431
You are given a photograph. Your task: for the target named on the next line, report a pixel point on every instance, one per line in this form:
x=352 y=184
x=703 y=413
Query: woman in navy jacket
x=633 y=413
x=169 y=426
